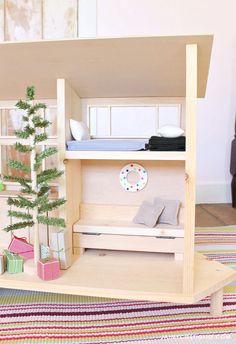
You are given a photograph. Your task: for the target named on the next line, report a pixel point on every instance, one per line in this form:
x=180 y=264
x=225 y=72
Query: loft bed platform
x=128 y=275
x=128 y=144
x=112 y=155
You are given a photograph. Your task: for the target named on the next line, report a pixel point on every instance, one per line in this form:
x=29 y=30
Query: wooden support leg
x=81 y=251
x=217 y=303
x=78 y=251
x=179 y=256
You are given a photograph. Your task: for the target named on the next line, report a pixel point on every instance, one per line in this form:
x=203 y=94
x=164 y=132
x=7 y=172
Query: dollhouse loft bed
x=140 y=68
x=107 y=145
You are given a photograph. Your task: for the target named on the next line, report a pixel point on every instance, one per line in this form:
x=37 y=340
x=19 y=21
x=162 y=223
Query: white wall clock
x=133 y=177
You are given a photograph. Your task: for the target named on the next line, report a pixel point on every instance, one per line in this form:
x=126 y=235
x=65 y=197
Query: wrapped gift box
x=14 y=262
x=60 y=246
x=21 y=247
x=2 y=264
x=48 y=269
x=45 y=251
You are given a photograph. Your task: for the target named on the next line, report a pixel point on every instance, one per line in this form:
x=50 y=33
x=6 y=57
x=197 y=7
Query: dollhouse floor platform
x=140 y=276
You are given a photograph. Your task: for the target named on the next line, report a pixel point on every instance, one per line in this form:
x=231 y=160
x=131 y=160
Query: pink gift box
x=21 y=247
x=48 y=269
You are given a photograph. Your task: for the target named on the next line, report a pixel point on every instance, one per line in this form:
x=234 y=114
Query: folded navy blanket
x=166 y=140
x=157 y=143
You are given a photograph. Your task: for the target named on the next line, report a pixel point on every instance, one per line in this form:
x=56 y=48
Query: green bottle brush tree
x=34 y=199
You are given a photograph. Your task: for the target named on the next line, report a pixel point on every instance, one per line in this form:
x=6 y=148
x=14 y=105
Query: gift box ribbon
x=59 y=251
x=24 y=240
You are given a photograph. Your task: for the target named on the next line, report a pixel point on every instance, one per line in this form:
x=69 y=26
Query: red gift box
x=48 y=269
x=21 y=247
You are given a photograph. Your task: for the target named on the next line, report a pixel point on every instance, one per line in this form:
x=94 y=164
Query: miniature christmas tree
x=34 y=198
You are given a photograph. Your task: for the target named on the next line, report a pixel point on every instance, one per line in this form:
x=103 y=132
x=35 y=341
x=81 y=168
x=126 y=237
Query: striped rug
x=30 y=317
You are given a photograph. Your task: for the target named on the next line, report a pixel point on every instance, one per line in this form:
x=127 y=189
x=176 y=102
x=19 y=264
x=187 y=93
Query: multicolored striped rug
x=30 y=317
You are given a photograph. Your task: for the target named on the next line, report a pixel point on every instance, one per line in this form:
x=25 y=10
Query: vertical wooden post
x=68 y=106
x=217 y=303
x=191 y=95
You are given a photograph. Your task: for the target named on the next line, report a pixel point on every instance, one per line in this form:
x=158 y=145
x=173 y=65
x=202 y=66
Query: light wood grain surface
x=107 y=67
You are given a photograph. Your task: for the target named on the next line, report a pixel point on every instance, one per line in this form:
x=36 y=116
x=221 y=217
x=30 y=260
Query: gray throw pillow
x=170 y=212
x=148 y=214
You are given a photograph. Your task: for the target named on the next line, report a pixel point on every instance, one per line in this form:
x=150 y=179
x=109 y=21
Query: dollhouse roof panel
x=104 y=67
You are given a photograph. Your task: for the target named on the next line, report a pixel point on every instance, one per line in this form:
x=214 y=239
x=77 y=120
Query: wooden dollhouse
x=113 y=257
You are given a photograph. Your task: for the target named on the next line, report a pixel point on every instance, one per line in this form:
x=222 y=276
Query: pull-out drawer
x=129 y=243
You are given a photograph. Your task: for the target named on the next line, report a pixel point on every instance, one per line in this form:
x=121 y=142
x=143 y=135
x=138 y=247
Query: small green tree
x=34 y=198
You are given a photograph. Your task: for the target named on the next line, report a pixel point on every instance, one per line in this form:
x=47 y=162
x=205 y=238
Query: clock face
x=133 y=177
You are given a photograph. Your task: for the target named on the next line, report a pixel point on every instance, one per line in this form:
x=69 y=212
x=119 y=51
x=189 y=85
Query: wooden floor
x=211 y=215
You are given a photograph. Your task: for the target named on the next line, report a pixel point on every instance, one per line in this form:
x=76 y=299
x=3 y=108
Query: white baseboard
x=213 y=193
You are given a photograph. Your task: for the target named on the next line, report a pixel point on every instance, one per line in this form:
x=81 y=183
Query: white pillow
x=170 y=131
x=79 y=130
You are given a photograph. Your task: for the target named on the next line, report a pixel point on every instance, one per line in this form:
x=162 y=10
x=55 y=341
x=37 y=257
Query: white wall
x=216 y=113
x=23 y=20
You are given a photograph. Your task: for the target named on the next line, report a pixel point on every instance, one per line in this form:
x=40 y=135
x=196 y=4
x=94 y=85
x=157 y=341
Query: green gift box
x=14 y=262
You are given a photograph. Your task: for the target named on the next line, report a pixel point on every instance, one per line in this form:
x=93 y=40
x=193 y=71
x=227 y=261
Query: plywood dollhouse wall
x=166 y=180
